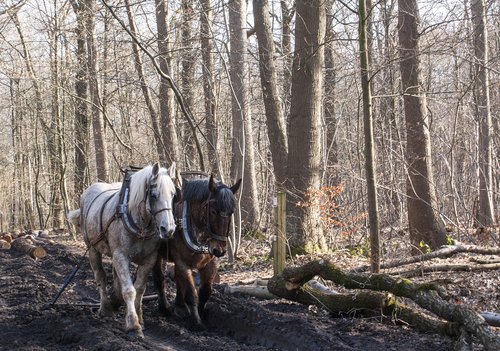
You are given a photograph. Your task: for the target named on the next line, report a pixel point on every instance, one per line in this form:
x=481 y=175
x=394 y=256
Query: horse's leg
x=185 y=281
x=116 y=296
x=159 y=283
x=140 y=283
x=207 y=276
x=95 y=258
x=121 y=265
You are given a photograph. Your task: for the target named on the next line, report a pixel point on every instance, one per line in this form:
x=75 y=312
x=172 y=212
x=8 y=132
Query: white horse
x=127 y=221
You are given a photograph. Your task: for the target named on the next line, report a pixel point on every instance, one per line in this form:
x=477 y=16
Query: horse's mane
x=139 y=181
x=197 y=191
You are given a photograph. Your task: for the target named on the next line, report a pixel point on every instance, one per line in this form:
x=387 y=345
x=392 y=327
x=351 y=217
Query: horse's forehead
x=224 y=198
x=164 y=183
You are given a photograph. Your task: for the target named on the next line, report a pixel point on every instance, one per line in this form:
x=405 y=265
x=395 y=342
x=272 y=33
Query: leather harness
x=122 y=211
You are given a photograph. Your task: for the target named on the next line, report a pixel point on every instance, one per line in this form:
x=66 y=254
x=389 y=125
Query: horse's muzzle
x=218 y=252
x=166 y=233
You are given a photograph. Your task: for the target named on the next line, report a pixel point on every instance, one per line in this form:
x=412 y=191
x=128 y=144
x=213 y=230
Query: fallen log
x=7 y=237
x=251 y=290
x=4 y=244
x=447 y=268
x=425 y=295
x=492 y=318
x=444 y=252
x=25 y=245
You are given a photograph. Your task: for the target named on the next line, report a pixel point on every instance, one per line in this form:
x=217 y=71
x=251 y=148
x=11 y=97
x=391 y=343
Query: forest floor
x=234 y=322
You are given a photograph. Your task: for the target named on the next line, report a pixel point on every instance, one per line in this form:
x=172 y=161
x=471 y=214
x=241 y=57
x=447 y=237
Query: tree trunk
x=81 y=124
x=304 y=227
x=242 y=165
x=188 y=69
x=274 y=113
x=101 y=151
x=208 y=85
x=144 y=87
x=424 y=223
x=371 y=177
x=331 y=152
x=39 y=108
x=485 y=215
x=167 y=118
x=287 y=12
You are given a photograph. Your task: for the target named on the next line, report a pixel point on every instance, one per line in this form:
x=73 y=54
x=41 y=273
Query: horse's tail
x=74 y=217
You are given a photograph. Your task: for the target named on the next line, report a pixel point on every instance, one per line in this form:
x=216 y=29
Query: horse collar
x=122 y=209
x=188 y=236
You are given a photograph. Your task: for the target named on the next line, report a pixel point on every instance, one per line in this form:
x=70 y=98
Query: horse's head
x=219 y=206
x=160 y=194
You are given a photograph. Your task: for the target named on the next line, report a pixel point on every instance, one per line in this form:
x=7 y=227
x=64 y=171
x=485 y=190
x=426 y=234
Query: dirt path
x=233 y=322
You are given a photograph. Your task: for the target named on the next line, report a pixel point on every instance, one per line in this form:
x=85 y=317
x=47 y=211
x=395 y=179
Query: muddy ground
x=234 y=322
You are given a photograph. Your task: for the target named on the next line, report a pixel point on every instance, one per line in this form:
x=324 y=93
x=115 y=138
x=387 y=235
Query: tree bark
x=208 y=85
x=485 y=214
x=81 y=124
x=287 y=13
x=371 y=178
x=275 y=119
x=424 y=223
x=329 y=100
x=101 y=151
x=243 y=163
x=144 y=87
x=167 y=117
x=304 y=227
x=24 y=245
x=188 y=70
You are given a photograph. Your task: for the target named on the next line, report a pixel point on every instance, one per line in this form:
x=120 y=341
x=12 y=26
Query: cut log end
x=4 y=244
x=38 y=252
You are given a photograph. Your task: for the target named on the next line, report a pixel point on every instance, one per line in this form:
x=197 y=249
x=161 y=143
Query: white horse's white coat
x=150 y=202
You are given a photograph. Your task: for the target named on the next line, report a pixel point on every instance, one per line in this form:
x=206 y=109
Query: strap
x=190 y=241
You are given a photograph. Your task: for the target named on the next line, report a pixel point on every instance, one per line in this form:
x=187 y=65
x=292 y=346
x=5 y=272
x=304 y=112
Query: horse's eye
x=154 y=196
x=213 y=212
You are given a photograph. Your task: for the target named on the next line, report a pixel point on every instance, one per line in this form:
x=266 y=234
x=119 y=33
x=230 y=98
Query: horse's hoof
x=135 y=334
x=179 y=312
x=196 y=326
x=106 y=309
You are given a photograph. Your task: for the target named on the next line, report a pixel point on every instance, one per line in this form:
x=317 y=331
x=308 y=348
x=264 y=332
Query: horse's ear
x=236 y=186
x=212 y=186
x=171 y=171
x=156 y=169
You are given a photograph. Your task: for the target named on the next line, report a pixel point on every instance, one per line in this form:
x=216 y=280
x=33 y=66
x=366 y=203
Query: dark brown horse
x=204 y=219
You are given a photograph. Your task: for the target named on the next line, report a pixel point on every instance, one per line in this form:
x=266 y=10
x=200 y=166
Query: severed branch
x=444 y=252
x=446 y=268
x=425 y=295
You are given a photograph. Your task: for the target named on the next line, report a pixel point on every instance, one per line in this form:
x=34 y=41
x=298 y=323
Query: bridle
x=209 y=231
x=151 y=197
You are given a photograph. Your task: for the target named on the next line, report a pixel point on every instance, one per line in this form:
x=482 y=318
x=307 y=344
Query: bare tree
x=166 y=97
x=101 y=150
x=275 y=120
x=304 y=138
x=485 y=214
x=188 y=70
x=242 y=164
x=144 y=87
x=81 y=124
x=287 y=13
x=371 y=177
x=424 y=222
x=208 y=84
